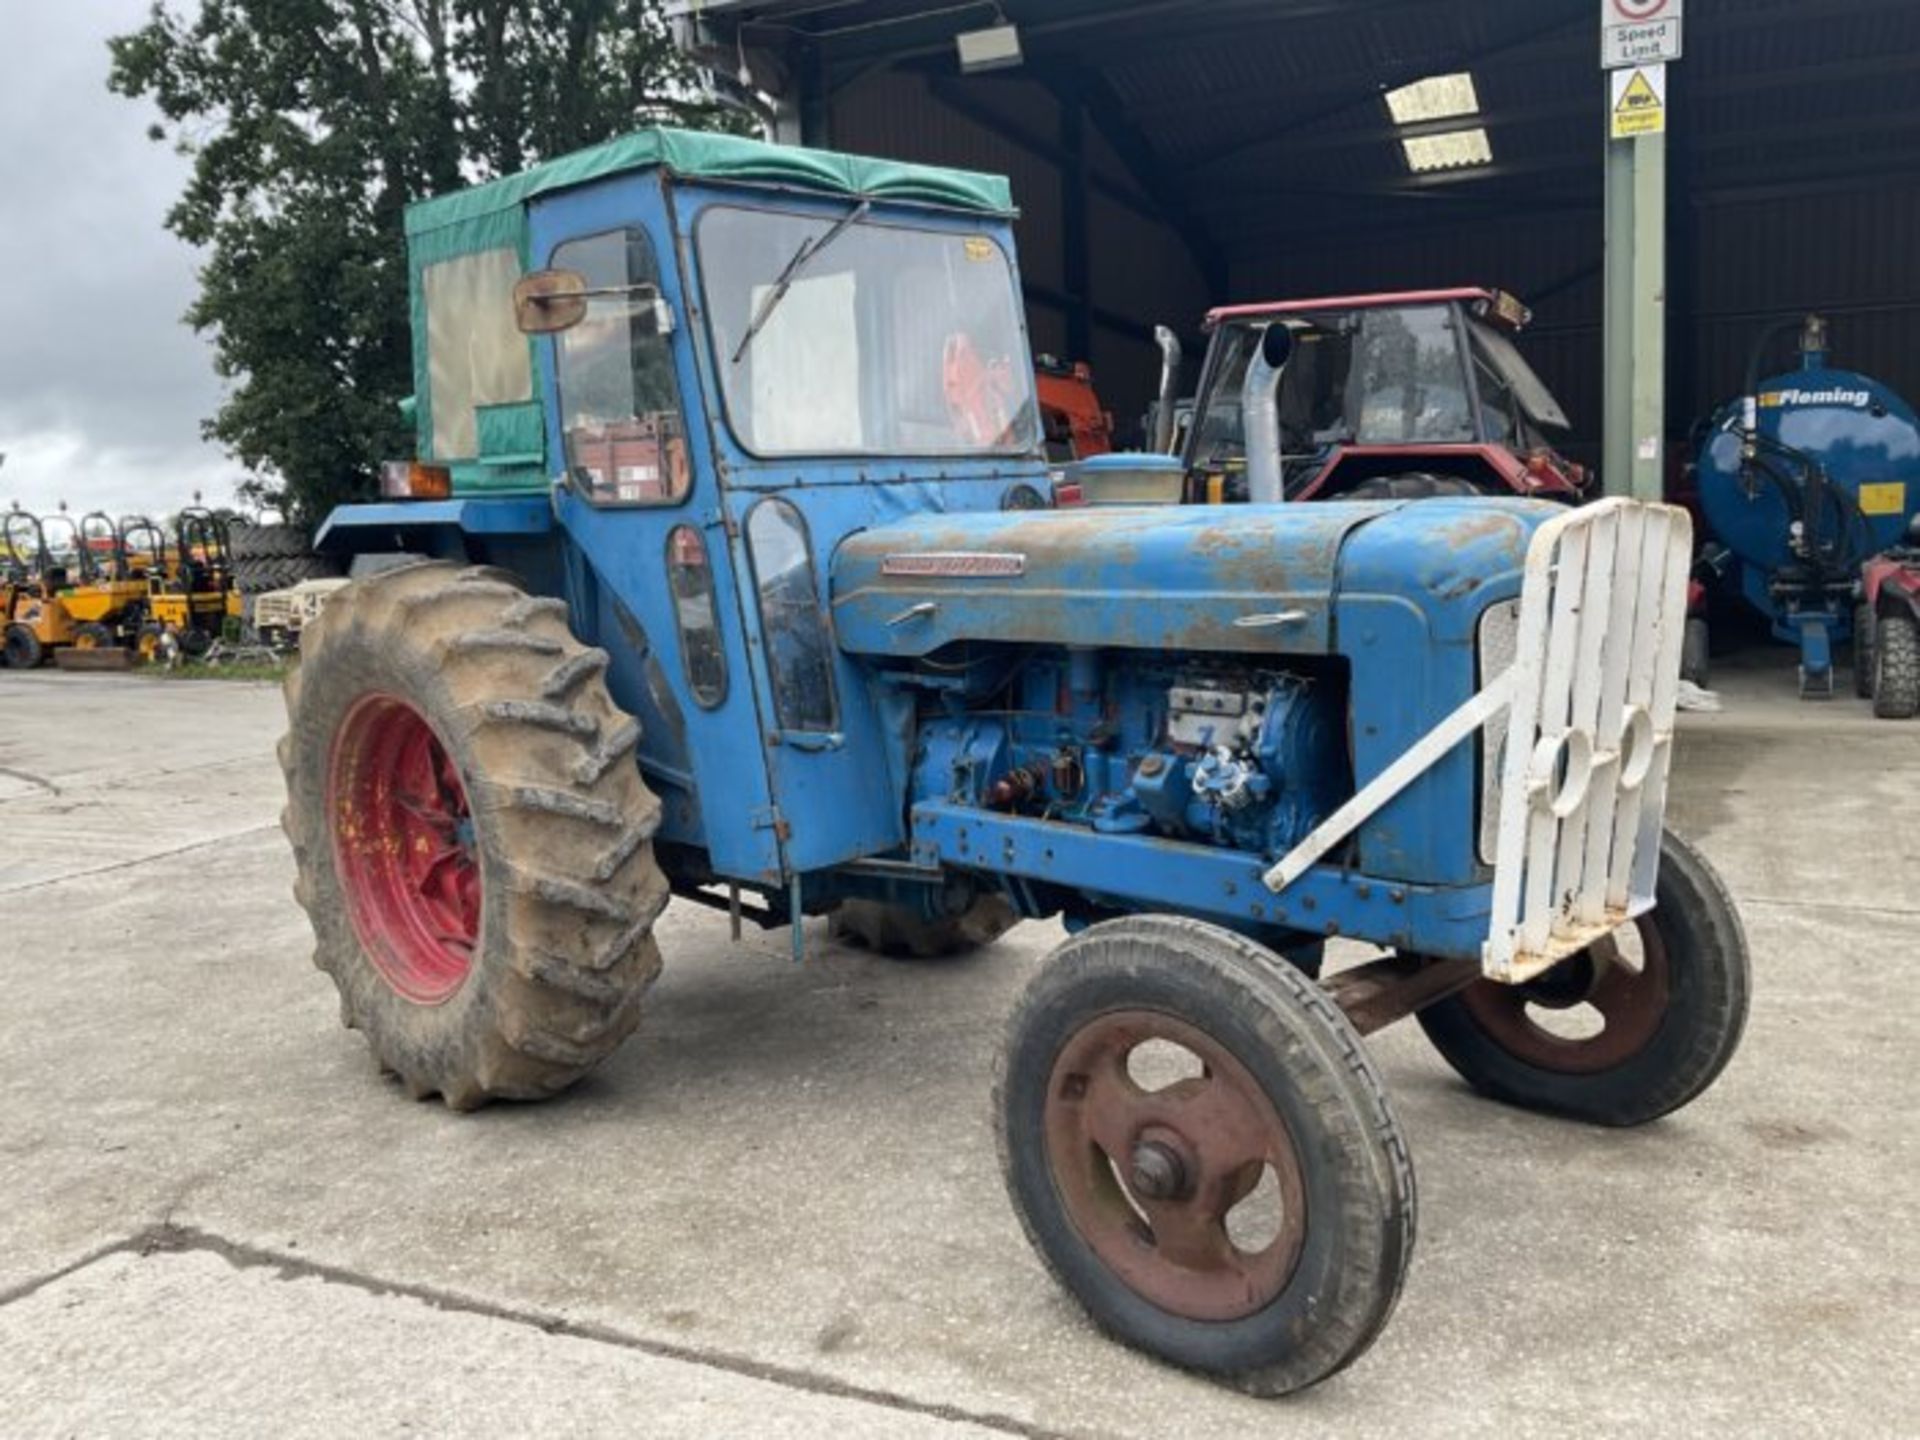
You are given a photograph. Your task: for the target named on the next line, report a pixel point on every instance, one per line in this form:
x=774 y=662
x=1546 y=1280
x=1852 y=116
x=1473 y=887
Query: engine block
x=1251 y=757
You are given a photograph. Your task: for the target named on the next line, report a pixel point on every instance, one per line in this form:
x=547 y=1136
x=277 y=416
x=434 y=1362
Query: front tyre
x=1201 y=1152
x=471 y=833
x=1624 y=1032
x=22 y=649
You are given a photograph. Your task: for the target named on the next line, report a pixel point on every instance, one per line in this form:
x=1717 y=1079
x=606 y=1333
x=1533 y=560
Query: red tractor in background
x=1393 y=396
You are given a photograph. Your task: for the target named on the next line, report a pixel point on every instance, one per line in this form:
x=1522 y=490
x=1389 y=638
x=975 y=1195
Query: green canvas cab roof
x=696 y=155
x=465 y=251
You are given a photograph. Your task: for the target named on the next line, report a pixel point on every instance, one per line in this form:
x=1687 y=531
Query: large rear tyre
x=94 y=636
x=1160 y=1079
x=1624 y=1032
x=471 y=833
x=902 y=933
x=1896 y=667
x=254 y=542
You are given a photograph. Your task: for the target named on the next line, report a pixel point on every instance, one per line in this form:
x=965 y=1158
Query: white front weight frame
x=1590 y=701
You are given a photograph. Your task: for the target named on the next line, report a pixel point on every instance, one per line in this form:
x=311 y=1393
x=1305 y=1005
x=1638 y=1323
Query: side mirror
x=549 y=301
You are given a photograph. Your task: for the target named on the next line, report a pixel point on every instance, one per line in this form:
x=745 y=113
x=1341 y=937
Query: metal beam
x=963 y=100
x=1076 y=243
x=1103 y=318
x=1144 y=165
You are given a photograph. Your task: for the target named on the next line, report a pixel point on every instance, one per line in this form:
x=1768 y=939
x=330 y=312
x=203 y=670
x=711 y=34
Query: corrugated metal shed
x=1215 y=150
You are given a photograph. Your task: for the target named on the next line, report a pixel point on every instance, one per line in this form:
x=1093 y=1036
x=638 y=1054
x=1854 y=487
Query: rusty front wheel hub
x=1628 y=1001
x=1150 y=1177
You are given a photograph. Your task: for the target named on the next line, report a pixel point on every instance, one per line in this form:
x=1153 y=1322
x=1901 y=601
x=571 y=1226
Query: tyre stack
x=273 y=557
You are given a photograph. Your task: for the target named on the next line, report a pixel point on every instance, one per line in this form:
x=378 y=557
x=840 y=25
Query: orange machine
x=1077 y=426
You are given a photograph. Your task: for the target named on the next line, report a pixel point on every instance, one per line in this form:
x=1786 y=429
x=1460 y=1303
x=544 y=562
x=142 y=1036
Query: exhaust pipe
x=1169 y=344
x=1260 y=412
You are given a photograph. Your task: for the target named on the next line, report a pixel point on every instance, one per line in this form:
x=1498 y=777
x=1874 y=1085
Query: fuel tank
x=1224 y=578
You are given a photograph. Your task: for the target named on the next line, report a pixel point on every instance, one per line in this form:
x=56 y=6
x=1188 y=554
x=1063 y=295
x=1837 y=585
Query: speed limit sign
x=1639 y=32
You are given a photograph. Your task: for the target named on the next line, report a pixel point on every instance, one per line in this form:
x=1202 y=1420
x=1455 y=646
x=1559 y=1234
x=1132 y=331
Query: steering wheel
x=979 y=394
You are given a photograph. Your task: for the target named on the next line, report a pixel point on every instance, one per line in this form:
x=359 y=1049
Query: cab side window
x=626 y=440
x=690 y=577
x=799 y=649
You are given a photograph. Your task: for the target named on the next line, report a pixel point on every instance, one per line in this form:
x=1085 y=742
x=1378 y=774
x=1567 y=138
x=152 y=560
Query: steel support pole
x=1616 y=454
x=1633 y=460
x=1649 y=316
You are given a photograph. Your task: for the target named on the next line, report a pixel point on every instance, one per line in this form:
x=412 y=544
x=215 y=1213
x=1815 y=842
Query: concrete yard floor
x=777 y=1211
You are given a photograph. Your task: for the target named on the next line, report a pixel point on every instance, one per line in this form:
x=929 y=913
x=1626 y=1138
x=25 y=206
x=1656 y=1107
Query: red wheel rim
x=1149 y=1177
x=403 y=846
x=1631 y=1004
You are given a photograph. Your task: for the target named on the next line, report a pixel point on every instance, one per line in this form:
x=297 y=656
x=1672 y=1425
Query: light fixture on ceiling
x=1438 y=97
x=995 y=48
x=1451 y=150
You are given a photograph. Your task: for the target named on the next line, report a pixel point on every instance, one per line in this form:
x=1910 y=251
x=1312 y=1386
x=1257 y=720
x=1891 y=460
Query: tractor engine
x=1218 y=751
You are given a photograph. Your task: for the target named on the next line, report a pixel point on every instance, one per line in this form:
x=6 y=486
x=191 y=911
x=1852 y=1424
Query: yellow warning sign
x=1639 y=101
x=1883 y=497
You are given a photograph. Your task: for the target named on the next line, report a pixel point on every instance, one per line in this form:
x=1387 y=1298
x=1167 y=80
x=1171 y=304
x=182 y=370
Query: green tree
x=310 y=125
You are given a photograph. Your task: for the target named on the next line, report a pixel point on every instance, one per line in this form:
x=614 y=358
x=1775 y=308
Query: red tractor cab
x=1374 y=397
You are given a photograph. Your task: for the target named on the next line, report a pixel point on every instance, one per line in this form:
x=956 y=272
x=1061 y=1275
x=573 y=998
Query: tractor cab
x=1369 y=393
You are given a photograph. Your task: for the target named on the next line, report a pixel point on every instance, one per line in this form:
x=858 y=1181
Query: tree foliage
x=310 y=125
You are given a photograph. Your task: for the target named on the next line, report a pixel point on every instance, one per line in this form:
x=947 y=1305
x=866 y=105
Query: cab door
x=650 y=578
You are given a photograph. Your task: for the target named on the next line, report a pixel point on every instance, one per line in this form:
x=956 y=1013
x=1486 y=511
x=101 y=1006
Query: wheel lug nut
x=1156 y=1171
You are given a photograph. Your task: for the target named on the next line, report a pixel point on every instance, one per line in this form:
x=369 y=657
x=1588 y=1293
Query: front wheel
x=1625 y=1031
x=1201 y=1151
x=22 y=649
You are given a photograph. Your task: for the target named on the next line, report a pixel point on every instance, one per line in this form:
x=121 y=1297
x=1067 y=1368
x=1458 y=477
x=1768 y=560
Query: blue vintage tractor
x=1804 y=478
x=732 y=580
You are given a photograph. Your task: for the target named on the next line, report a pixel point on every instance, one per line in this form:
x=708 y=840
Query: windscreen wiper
x=808 y=252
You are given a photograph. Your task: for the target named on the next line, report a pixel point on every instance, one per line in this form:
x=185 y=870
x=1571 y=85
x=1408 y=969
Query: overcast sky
x=102 y=389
